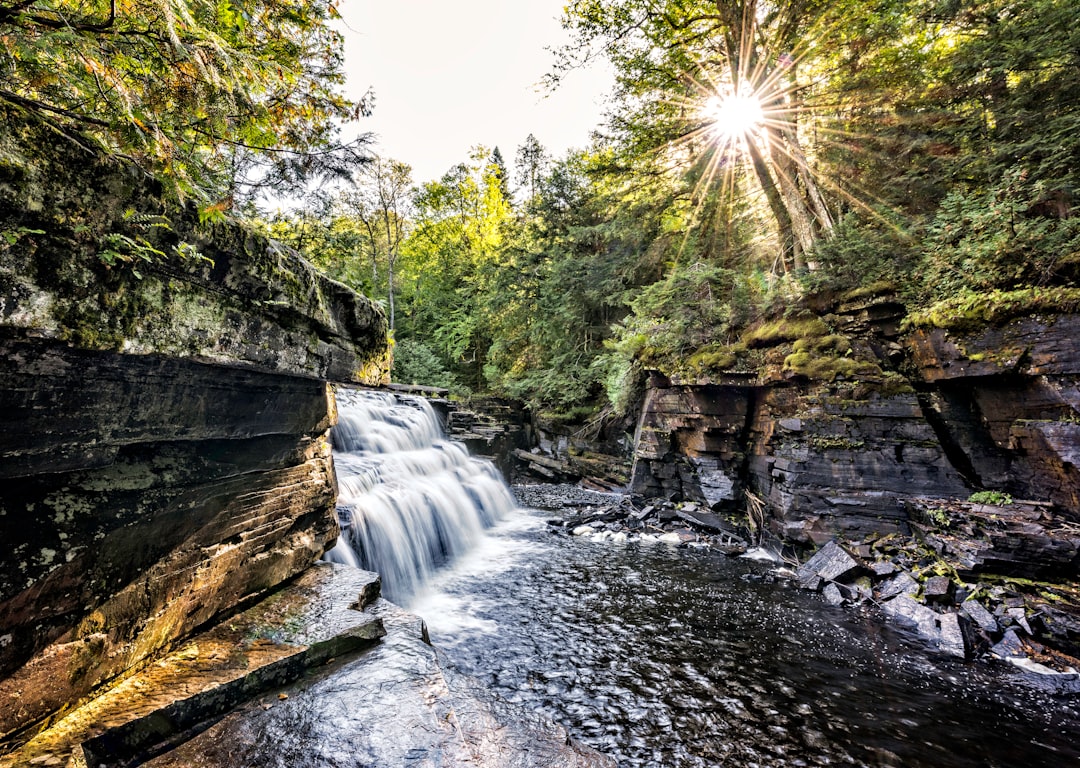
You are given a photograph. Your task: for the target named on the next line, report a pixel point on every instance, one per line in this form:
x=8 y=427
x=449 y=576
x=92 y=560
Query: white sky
x=451 y=74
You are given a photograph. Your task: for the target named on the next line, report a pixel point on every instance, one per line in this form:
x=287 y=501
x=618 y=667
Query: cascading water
x=409 y=500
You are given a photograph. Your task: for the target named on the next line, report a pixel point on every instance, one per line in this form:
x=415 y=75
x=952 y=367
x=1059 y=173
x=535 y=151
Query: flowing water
x=409 y=500
x=662 y=657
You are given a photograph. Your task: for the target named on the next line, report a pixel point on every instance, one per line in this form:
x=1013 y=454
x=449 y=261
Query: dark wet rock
x=1019 y=616
x=943 y=630
x=169 y=492
x=832 y=594
x=491 y=428
x=831 y=563
x=1010 y=646
x=983 y=619
x=710 y=522
x=901 y=584
x=938 y=589
x=1019 y=539
x=906 y=609
x=953 y=635
x=883 y=567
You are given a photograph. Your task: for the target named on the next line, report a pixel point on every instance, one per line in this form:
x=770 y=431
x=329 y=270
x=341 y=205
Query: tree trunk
x=776 y=203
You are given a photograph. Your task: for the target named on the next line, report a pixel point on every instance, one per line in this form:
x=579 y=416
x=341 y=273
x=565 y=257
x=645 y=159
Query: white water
x=409 y=500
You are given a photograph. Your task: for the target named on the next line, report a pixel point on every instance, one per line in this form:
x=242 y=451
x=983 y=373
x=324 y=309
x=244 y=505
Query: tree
x=194 y=91
x=689 y=73
x=450 y=259
x=502 y=173
x=382 y=202
x=532 y=162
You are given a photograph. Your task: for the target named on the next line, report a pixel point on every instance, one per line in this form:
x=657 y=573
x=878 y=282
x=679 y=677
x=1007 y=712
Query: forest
x=757 y=160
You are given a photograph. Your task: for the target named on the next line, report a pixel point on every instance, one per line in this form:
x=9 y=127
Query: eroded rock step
x=317 y=617
x=397 y=704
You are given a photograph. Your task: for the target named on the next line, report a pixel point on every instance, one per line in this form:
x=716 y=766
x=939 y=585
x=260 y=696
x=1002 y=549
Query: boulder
x=830 y=563
x=832 y=594
x=901 y=584
x=983 y=619
x=938 y=589
x=945 y=631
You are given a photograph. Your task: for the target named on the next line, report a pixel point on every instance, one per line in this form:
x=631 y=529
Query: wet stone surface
x=395 y=705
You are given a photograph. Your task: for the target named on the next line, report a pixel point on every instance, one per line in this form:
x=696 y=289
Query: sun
x=734 y=116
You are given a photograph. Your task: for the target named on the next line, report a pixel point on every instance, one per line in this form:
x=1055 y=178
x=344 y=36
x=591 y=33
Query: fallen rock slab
x=945 y=631
x=830 y=563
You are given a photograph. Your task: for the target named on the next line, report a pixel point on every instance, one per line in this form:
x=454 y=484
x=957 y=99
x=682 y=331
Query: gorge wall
x=163 y=419
x=932 y=414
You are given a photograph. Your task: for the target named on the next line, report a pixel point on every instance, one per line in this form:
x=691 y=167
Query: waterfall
x=409 y=500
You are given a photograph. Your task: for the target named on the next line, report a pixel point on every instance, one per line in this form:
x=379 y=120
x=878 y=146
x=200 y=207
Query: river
x=657 y=656
x=674 y=657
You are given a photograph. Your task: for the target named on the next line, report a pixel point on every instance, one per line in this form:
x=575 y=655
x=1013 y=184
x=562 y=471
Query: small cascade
x=409 y=500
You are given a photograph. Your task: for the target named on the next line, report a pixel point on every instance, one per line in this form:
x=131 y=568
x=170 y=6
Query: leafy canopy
x=208 y=95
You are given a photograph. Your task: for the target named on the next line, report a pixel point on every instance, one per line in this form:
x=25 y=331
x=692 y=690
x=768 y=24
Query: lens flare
x=734 y=117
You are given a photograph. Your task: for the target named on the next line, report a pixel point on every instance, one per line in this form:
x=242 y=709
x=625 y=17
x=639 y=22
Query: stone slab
x=832 y=563
x=302 y=626
x=397 y=704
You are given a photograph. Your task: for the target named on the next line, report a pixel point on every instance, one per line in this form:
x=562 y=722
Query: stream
x=657 y=656
x=673 y=657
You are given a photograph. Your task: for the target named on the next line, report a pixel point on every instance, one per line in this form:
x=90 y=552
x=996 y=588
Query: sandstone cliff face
x=996 y=409
x=163 y=420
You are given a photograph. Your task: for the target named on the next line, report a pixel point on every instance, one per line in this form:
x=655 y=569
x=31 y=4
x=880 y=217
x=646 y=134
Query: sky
x=451 y=74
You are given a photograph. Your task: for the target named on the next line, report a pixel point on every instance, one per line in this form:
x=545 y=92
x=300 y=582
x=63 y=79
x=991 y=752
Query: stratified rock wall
x=1020 y=383
x=163 y=419
x=995 y=409
x=827 y=459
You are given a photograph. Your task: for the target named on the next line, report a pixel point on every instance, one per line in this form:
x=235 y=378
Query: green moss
x=994 y=498
x=827 y=367
x=835 y=442
x=893 y=384
x=775 y=332
x=971 y=311
x=877 y=288
x=715 y=358
x=832 y=344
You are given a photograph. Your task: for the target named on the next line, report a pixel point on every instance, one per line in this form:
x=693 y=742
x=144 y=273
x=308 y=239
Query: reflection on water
x=663 y=657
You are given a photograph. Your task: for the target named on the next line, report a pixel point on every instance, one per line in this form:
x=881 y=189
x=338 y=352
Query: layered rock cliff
x=828 y=450
x=163 y=419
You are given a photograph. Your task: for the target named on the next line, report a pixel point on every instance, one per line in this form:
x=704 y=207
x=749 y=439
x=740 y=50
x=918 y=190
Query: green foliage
x=416 y=363
x=990 y=240
x=993 y=498
x=135 y=245
x=192 y=90
x=13 y=235
x=927 y=150
x=939 y=517
x=866 y=255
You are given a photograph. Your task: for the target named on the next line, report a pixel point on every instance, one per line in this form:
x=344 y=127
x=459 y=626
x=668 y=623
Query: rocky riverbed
x=662 y=655
x=940 y=581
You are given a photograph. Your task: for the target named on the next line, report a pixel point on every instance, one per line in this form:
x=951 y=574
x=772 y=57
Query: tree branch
x=63 y=23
